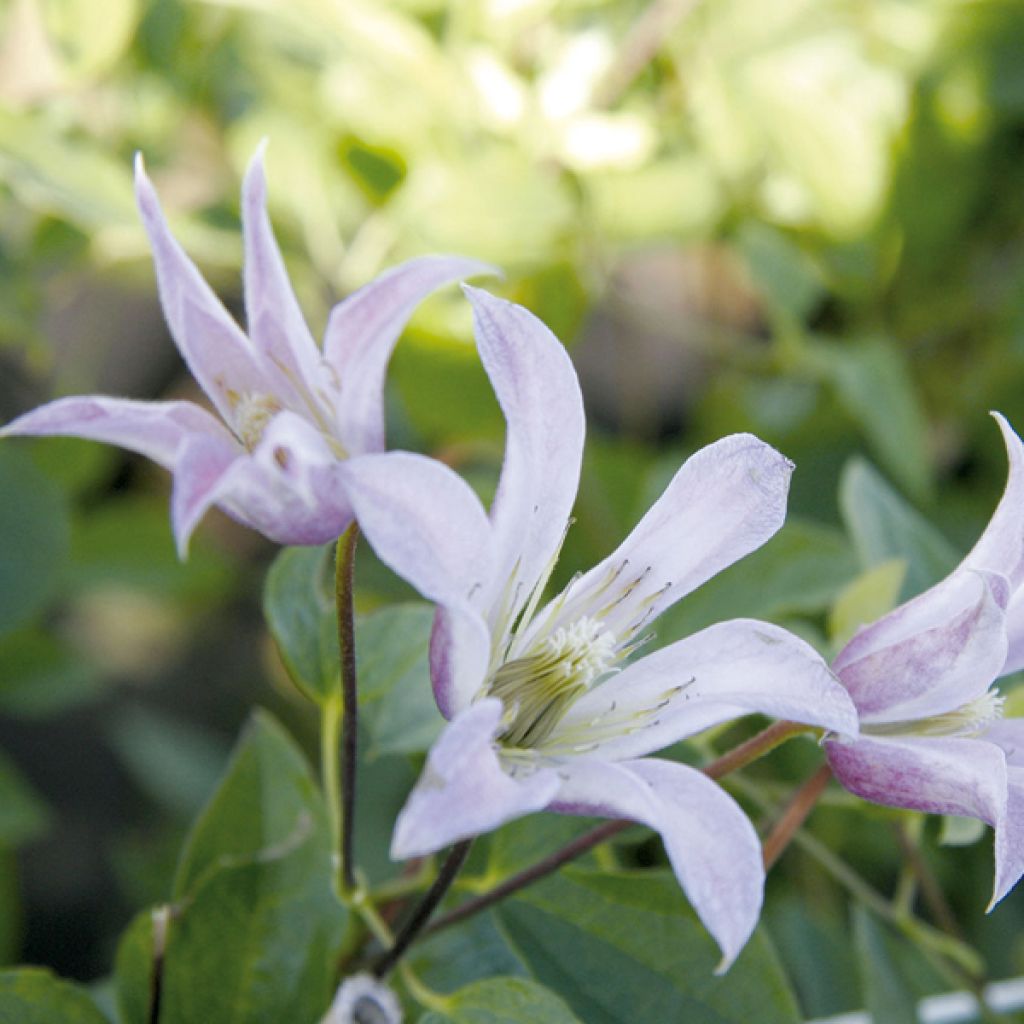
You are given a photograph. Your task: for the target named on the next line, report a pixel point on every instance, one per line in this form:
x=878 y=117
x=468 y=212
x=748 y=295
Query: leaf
x=32 y=995
x=870 y=596
x=34 y=538
x=23 y=815
x=503 y=1001
x=874 y=385
x=887 y=994
x=392 y=651
x=39 y=676
x=299 y=608
x=786 y=276
x=135 y=965
x=883 y=527
x=626 y=948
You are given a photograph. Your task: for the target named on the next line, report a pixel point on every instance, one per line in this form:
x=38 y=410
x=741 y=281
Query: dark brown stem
x=757 y=746
x=344 y=597
x=795 y=814
x=433 y=896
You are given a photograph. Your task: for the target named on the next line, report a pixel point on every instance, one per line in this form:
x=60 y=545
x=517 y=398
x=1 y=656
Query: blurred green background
x=802 y=218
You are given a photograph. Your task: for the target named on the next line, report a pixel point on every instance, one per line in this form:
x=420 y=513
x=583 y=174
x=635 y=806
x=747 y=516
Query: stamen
x=252 y=414
x=971 y=719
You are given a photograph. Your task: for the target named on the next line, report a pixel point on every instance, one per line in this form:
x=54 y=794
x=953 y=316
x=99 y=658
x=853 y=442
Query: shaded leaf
x=32 y=995
x=887 y=995
x=503 y=1001
x=870 y=596
x=23 y=815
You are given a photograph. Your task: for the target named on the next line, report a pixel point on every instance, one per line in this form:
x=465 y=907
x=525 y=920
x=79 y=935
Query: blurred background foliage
x=803 y=219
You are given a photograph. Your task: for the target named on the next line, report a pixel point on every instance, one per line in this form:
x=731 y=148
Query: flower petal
x=1009 y=845
x=539 y=394
x=153 y=429
x=953 y=775
x=276 y=324
x=934 y=654
x=723 y=672
x=217 y=352
x=202 y=463
x=1014 y=634
x=362 y=332
x=725 y=501
x=464 y=789
x=1001 y=547
x=711 y=844
x=1008 y=735
x=460 y=648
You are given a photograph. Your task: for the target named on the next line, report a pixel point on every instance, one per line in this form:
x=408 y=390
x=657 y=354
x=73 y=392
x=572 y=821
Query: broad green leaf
x=298 y=603
x=39 y=676
x=135 y=965
x=799 y=571
x=503 y=1001
x=887 y=994
x=621 y=948
x=883 y=527
x=266 y=803
x=32 y=995
x=874 y=385
x=34 y=531
x=872 y=594
x=392 y=650
x=23 y=815
x=785 y=275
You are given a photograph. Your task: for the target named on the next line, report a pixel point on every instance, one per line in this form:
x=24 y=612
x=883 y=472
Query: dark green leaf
x=135 y=967
x=23 y=815
x=883 y=527
x=31 y=995
x=503 y=1001
x=626 y=948
x=298 y=602
x=34 y=532
x=39 y=676
x=887 y=995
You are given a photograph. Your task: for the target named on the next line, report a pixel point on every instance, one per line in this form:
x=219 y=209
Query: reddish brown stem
x=795 y=814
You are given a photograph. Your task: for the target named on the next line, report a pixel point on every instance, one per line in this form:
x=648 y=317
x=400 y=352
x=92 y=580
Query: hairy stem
x=330 y=773
x=344 y=598
x=757 y=746
x=795 y=814
x=421 y=914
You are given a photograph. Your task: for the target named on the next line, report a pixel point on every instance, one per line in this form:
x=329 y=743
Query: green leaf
x=39 y=676
x=392 y=650
x=870 y=596
x=887 y=995
x=256 y=927
x=503 y=1001
x=23 y=815
x=874 y=385
x=135 y=965
x=883 y=527
x=34 y=532
x=626 y=948
x=31 y=995
x=787 y=278
x=298 y=603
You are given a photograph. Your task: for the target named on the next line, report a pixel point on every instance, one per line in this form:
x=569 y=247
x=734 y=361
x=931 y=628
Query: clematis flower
x=546 y=711
x=922 y=678
x=290 y=412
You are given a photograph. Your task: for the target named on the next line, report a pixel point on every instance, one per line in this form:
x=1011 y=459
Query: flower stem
x=421 y=914
x=330 y=773
x=757 y=746
x=343 y=593
x=795 y=814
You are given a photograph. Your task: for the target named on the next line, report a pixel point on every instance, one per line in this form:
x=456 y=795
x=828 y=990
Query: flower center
x=538 y=688
x=969 y=720
x=252 y=414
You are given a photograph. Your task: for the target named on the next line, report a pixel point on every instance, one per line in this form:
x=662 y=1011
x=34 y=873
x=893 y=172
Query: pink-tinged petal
x=276 y=324
x=290 y=488
x=424 y=522
x=362 y=332
x=202 y=463
x=1014 y=634
x=711 y=845
x=153 y=429
x=460 y=648
x=539 y=394
x=1008 y=735
x=213 y=346
x=723 y=672
x=464 y=789
x=1001 y=547
x=725 y=501
x=942 y=653
x=1009 y=844
x=954 y=775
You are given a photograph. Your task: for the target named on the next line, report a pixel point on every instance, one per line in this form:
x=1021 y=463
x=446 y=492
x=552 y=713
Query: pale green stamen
x=252 y=414
x=969 y=720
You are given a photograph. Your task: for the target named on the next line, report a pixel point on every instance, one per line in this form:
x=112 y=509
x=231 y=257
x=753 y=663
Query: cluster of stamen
x=539 y=687
x=252 y=414
x=971 y=719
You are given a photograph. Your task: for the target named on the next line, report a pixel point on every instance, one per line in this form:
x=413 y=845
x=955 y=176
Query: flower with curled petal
x=290 y=413
x=546 y=710
x=932 y=736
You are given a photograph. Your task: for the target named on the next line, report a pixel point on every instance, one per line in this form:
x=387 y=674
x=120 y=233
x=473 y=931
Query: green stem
x=330 y=773
x=344 y=598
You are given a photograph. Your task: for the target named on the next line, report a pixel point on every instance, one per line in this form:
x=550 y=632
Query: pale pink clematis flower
x=545 y=710
x=932 y=738
x=290 y=412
